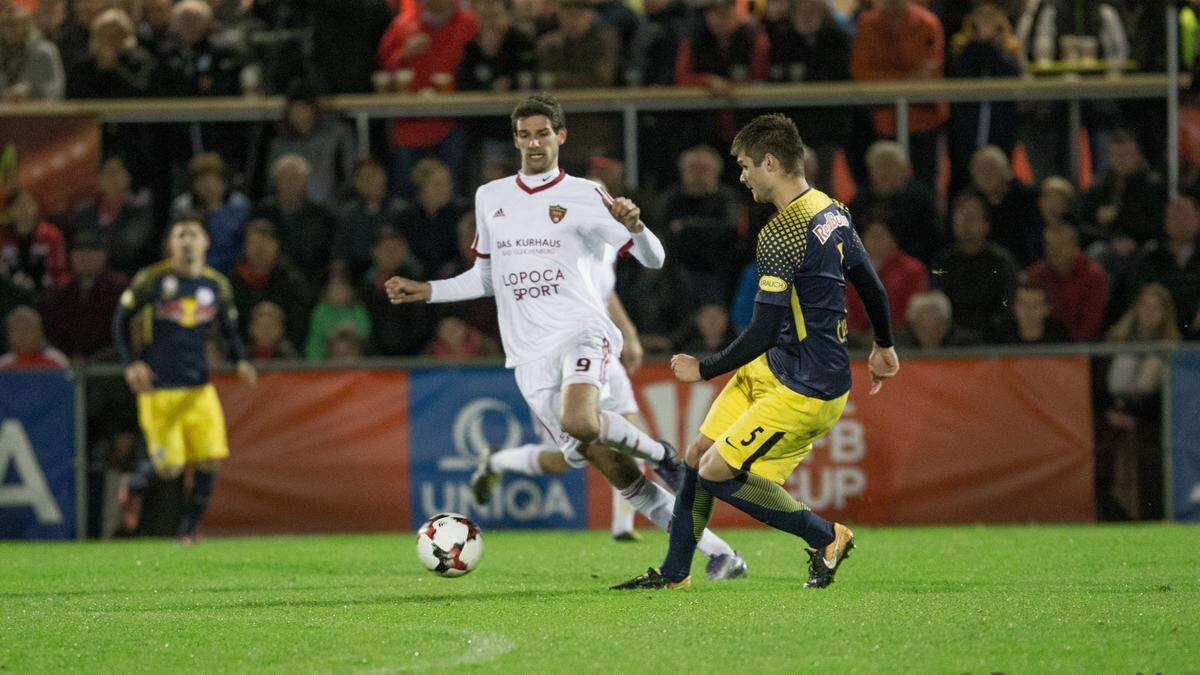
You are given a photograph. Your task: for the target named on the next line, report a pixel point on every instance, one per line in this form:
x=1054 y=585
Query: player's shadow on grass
x=384 y=599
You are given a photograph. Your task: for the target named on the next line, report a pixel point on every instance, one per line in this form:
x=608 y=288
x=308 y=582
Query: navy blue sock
x=770 y=503
x=203 y=483
x=693 y=507
x=142 y=478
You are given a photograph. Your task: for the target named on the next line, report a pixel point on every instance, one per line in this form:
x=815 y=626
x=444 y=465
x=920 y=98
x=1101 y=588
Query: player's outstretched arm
x=758 y=337
x=400 y=290
x=474 y=283
x=883 y=361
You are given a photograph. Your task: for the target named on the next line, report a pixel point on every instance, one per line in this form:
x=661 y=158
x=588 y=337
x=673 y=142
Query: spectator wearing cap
x=267 y=337
x=431 y=223
x=1077 y=286
x=30 y=66
x=78 y=315
x=902 y=275
x=305 y=227
x=583 y=51
x=224 y=211
x=325 y=142
x=115 y=66
x=398 y=330
x=27 y=343
x=263 y=274
x=891 y=194
x=978 y=275
x=1029 y=320
x=1012 y=206
x=33 y=253
x=120 y=218
x=427 y=42
x=362 y=214
x=901 y=40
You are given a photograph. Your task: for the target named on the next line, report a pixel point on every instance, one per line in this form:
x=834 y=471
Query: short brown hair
x=775 y=134
x=540 y=103
x=206 y=163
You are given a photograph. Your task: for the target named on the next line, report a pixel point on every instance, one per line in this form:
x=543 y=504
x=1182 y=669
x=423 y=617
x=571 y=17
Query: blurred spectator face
x=892 y=6
x=191 y=21
x=712 y=321
x=345 y=344
x=50 y=16
x=970 y=223
x=209 y=187
x=339 y=292
x=1062 y=248
x=699 y=172
x=1031 y=308
x=389 y=253
x=721 y=20
x=438 y=7
x=266 y=325
x=878 y=240
x=291 y=182
x=25 y=334
x=112 y=30
x=989 y=171
x=888 y=171
x=930 y=326
x=24 y=213
x=436 y=187
x=492 y=13
x=609 y=172
x=261 y=249
x=134 y=9
x=114 y=178
x=1151 y=313
x=1181 y=224
x=158 y=14
x=575 y=20
x=807 y=16
x=775 y=10
x=88 y=263
x=1124 y=156
x=370 y=182
x=1054 y=200
x=301 y=117
x=15 y=23
x=86 y=11
x=452 y=332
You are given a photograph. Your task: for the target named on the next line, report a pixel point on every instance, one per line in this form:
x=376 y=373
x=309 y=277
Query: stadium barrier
x=975 y=435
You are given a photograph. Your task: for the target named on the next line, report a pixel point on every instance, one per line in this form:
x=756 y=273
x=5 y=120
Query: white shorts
x=588 y=360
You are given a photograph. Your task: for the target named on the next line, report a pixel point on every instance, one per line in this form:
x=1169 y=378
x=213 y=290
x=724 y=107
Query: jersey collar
x=541 y=181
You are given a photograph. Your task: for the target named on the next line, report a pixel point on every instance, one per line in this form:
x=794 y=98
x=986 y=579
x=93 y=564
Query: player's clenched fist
x=626 y=212
x=686 y=368
x=401 y=290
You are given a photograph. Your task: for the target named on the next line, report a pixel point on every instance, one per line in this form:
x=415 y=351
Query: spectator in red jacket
x=33 y=253
x=902 y=275
x=27 y=343
x=901 y=40
x=78 y=316
x=428 y=42
x=1076 y=284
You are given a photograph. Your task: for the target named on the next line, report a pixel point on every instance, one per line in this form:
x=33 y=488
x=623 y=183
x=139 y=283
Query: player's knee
x=696 y=450
x=713 y=467
x=583 y=427
x=620 y=470
x=168 y=471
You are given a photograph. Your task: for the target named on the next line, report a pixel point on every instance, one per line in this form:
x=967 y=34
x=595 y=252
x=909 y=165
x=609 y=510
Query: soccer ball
x=449 y=545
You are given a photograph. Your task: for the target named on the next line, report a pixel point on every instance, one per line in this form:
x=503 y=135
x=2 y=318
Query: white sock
x=623 y=436
x=622 y=513
x=521 y=460
x=654 y=502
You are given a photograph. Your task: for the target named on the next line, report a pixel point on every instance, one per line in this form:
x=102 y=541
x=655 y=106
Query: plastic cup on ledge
x=797 y=71
x=402 y=79
x=442 y=82
x=251 y=80
x=382 y=81
x=738 y=74
x=524 y=80
x=545 y=80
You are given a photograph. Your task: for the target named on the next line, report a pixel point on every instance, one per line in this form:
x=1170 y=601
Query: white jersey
x=604 y=276
x=545 y=236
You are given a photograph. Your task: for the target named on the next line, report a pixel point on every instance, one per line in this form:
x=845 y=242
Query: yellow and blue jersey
x=803 y=253
x=182 y=311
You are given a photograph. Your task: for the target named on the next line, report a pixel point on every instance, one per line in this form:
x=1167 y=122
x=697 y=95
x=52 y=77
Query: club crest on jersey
x=557 y=213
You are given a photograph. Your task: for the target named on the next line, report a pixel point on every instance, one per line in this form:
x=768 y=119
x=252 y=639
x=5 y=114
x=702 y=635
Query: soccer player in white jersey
x=539 y=235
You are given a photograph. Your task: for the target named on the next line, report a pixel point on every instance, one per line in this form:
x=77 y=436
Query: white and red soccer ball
x=449 y=545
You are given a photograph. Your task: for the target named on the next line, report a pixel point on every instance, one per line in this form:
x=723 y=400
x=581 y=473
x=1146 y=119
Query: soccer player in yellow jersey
x=792 y=370
x=177 y=406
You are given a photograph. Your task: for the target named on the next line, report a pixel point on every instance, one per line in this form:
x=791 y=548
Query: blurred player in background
x=539 y=236
x=793 y=371
x=177 y=406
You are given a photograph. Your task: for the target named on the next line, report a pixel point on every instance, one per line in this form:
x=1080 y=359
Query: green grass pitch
x=1088 y=599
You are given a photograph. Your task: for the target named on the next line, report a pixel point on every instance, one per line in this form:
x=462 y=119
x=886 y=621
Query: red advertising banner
x=948 y=441
x=59 y=162
x=314 y=452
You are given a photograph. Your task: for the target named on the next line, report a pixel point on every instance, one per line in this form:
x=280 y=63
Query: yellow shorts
x=183 y=426
x=760 y=425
